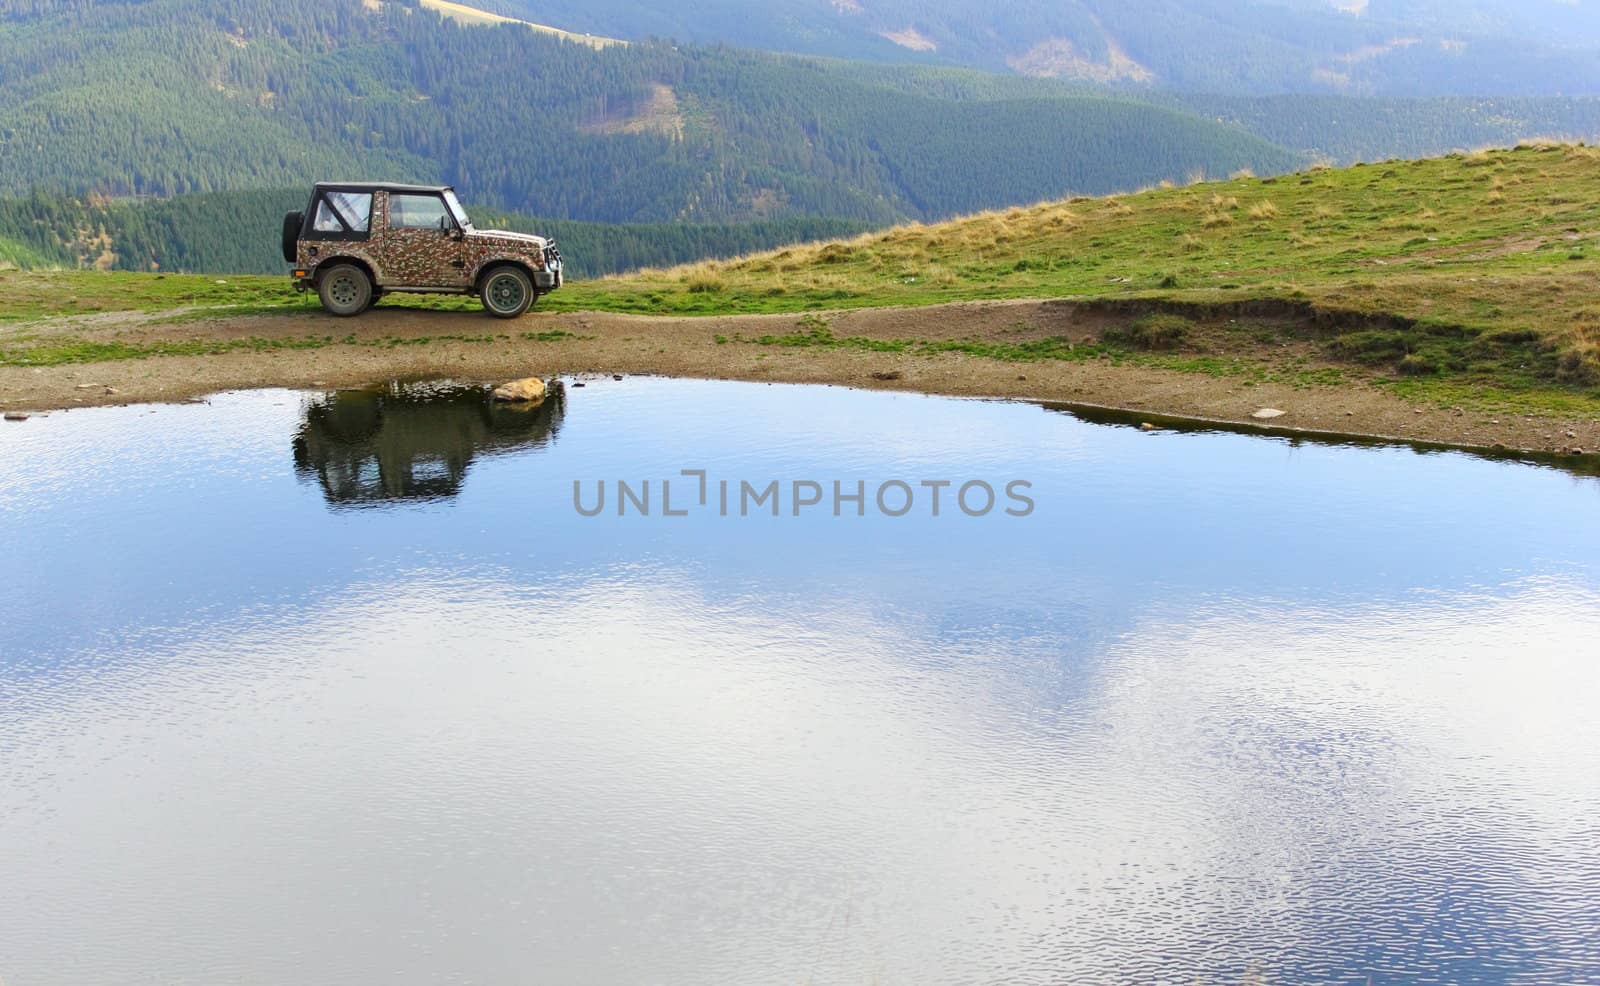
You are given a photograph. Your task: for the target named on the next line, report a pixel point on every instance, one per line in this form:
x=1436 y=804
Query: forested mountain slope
x=1377 y=47
x=162 y=97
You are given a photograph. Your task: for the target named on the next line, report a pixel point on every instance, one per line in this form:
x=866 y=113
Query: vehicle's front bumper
x=551 y=277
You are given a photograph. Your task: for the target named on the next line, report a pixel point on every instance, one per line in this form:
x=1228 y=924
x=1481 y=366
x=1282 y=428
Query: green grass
x=178 y=298
x=60 y=351
x=26 y=296
x=1470 y=277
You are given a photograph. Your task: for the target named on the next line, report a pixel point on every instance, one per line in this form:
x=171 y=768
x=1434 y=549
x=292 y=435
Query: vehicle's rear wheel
x=345 y=290
x=506 y=292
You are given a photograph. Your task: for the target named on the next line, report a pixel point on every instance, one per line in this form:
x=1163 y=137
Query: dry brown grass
x=705 y=284
x=1263 y=210
x=1543 y=144
x=1062 y=220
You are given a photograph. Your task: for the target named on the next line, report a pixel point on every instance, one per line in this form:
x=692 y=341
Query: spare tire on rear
x=291 y=234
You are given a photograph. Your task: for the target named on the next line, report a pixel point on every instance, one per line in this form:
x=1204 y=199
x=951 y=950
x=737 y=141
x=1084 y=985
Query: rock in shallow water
x=16 y=416
x=526 y=390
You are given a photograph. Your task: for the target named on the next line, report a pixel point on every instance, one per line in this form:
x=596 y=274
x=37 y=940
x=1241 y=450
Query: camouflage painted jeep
x=357 y=241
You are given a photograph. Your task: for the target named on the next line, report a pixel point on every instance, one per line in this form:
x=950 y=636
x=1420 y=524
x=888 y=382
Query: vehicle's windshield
x=456 y=210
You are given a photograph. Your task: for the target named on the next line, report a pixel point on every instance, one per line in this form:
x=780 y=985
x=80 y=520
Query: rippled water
x=341 y=689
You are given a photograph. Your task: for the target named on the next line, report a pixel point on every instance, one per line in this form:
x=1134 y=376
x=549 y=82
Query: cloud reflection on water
x=625 y=781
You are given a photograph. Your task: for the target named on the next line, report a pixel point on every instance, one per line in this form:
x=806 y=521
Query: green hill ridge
x=1477 y=267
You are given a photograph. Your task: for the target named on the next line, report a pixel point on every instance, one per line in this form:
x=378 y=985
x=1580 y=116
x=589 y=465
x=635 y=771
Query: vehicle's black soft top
x=373 y=186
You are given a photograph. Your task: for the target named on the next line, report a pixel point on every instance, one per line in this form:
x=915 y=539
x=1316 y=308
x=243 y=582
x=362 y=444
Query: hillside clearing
x=472 y=15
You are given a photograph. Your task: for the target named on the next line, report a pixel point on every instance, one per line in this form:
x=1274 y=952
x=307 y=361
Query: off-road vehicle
x=357 y=241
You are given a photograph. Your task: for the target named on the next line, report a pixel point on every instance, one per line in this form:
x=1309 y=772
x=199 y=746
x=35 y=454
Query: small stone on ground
x=523 y=391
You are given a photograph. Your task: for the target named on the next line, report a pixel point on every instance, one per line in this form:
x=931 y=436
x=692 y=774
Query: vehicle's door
x=421 y=245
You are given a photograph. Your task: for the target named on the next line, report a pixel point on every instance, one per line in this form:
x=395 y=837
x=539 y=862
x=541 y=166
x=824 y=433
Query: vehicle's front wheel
x=506 y=292
x=345 y=290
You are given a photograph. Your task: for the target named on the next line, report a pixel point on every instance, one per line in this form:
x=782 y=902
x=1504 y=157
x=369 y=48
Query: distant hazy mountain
x=1557 y=22
x=1362 y=47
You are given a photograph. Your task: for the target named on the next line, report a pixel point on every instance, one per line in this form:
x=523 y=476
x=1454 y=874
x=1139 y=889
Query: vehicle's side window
x=325 y=221
x=343 y=212
x=416 y=211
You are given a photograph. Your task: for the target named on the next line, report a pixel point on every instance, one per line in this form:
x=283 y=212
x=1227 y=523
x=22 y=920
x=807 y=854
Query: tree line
x=237 y=233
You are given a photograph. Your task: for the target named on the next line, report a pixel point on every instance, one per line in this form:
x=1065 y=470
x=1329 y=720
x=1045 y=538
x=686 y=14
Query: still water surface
x=340 y=689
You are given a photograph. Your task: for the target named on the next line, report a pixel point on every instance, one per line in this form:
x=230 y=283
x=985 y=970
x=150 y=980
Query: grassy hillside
x=1472 y=268
x=1473 y=277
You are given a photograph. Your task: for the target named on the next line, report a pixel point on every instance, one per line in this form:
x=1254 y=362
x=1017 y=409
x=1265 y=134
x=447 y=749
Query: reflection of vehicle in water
x=412 y=441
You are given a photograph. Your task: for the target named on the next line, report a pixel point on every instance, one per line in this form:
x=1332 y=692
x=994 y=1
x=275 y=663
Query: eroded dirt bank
x=388 y=343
